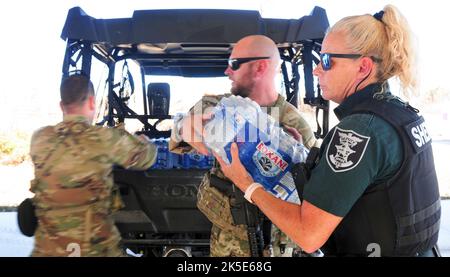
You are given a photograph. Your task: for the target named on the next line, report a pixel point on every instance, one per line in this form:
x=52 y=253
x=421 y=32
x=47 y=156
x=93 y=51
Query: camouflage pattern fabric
x=227 y=238
x=73 y=186
x=225 y=243
x=281 y=244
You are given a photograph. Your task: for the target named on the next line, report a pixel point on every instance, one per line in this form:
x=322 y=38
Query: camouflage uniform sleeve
x=33 y=143
x=176 y=145
x=291 y=117
x=39 y=136
x=38 y=150
x=129 y=151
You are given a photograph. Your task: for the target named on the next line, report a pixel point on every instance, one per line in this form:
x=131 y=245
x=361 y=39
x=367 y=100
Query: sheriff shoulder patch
x=346 y=149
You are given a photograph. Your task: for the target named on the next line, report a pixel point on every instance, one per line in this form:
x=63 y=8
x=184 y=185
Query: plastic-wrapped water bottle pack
x=168 y=160
x=265 y=149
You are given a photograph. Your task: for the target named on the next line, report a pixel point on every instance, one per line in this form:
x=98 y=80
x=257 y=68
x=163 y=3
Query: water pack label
x=265 y=150
x=266 y=165
x=270 y=163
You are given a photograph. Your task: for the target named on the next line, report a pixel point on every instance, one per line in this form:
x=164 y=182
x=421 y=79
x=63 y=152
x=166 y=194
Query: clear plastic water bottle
x=264 y=148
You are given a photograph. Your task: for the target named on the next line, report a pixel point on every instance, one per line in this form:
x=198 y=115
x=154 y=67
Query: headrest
x=158 y=95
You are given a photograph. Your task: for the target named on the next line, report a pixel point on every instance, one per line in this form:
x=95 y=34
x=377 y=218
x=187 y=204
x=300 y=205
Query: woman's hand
x=235 y=171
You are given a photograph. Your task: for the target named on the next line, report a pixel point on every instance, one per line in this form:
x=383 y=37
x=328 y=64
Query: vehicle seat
x=158 y=95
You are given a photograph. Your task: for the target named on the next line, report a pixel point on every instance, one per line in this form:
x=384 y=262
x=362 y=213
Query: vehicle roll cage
x=191 y=55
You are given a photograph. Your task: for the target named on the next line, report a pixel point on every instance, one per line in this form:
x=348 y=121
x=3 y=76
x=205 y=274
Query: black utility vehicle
x=160 y=217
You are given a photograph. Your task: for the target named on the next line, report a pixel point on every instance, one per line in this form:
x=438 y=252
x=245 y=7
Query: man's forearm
x=191 y=133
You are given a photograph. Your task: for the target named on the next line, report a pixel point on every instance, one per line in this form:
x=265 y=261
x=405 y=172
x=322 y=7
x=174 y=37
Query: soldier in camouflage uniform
x=73 y=182
x=254 y=79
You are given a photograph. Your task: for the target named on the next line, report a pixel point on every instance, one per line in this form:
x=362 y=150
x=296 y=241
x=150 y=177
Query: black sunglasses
x=235 y=63
x=325 y=58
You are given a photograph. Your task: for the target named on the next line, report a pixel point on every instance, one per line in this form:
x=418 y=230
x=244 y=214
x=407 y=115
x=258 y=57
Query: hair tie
x=379 y=15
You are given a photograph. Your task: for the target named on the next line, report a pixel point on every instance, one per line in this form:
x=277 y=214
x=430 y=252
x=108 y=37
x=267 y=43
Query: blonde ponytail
x=387 y=37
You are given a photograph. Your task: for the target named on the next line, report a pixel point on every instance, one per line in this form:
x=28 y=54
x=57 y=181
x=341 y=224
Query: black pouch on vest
x=301 y=172
x=221 y=185
x=26 y=217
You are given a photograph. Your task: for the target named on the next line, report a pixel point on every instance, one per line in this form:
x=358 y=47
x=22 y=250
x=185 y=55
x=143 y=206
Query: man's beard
x=241 y=91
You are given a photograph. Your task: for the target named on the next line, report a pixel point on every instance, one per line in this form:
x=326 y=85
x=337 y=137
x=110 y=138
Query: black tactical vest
x=400 y=217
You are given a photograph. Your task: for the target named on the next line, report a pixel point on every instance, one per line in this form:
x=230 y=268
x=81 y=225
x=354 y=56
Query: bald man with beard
x=254 y=64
